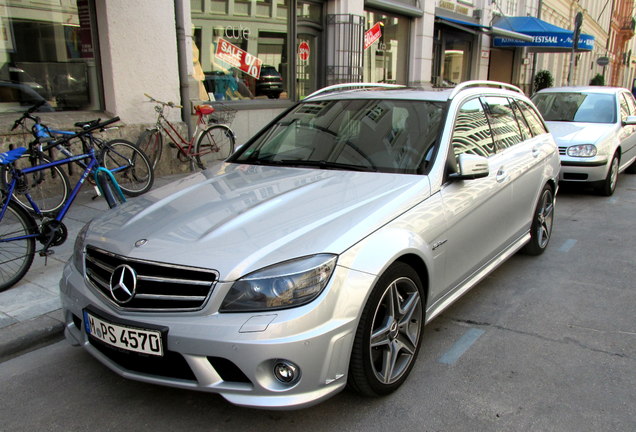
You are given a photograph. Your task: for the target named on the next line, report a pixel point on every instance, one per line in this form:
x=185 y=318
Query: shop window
x=243 y=58
x=48 y=54
x=385 y=59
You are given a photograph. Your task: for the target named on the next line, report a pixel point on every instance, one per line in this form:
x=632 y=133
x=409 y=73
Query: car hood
x=238 y=218
x=570 y=133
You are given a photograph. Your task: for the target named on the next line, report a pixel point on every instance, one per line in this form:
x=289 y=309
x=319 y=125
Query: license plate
x=128 y=338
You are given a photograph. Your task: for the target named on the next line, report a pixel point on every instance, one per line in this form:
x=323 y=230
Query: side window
x=526 y=133
x=502 y=121
x=631 y=103
x=534 y=120
x=624 y=107
x=471 y=133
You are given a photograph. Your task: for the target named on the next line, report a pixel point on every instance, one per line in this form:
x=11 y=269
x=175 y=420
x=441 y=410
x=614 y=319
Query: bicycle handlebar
x=83 y=132
x=27 y=114
x=170 y=104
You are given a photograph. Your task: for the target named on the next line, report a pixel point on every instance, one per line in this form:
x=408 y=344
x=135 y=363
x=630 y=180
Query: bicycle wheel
x=129 y=165
x=151 y=143
x=48 y=188
x=16 y=256
x=216 y=143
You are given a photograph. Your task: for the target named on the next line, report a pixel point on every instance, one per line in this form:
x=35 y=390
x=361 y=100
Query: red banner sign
x=238 y=58
x=372 y=35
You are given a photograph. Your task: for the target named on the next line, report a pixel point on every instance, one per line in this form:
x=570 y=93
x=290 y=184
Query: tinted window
x=577 y=107
x=471 y=133
x=523 y=125
x=503 y=123
x=534 y=120
x=375 y=135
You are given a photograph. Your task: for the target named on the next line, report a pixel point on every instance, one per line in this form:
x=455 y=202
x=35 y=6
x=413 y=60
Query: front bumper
x=583 y=169
x=234 y=354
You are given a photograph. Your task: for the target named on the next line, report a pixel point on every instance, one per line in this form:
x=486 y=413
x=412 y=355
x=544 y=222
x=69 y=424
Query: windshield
x=576 y=107
x=364 y=135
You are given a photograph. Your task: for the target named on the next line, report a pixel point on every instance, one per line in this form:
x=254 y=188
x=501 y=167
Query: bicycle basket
x=222 y=114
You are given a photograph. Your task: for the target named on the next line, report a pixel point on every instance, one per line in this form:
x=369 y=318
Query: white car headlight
x=582 y=150
x=288 y=284
x=78 y=249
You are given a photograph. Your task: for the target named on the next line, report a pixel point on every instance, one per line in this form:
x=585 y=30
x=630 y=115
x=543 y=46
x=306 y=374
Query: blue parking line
x=569 y=244
x=461 y=346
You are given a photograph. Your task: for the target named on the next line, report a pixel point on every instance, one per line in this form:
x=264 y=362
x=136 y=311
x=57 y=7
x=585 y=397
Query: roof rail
x=467 y=84
x=351 y=86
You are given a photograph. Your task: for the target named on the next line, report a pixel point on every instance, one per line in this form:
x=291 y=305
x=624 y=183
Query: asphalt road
x=543 y=344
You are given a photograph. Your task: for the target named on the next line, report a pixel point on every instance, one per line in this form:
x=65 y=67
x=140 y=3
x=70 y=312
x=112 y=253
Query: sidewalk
x=30 y=314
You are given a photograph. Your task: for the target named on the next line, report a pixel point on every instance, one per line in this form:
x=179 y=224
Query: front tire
x=129 y=165
x=389 y=334
x=16 y=256
x=542 y=222
x=215 y=144
x=608 y=186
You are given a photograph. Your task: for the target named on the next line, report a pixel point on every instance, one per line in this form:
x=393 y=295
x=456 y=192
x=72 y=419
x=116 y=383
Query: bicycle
x=19 y=230
x=210 y=143
x=131 y=167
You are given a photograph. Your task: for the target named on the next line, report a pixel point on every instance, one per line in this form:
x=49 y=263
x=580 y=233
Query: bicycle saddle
x=204 y=109
x=86 y=124
x=11 y=155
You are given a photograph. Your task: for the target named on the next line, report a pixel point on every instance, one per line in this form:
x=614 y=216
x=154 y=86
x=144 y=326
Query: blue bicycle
x=50 y=189
x=19 y=230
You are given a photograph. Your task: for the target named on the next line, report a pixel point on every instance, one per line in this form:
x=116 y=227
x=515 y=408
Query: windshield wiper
x=323 y=164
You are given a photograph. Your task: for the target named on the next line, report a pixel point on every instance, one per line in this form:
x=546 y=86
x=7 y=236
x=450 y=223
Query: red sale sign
x=238 y=58
x=372 y=35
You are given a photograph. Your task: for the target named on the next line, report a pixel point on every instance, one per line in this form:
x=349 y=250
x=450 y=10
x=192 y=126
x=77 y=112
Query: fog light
x=286 y=372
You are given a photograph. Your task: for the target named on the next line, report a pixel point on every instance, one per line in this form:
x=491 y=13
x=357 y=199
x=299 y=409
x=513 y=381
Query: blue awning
x=464 y=25
x=545 y=36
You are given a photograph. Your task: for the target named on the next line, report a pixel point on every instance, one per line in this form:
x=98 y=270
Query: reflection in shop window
x=47 y=54
x=385 y=60
x=243 y=58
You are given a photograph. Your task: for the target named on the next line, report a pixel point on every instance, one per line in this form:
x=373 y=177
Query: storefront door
x=307 y=42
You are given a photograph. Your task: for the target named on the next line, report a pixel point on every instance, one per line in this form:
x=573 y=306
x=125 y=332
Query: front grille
x=563 y=151
x=160 y=286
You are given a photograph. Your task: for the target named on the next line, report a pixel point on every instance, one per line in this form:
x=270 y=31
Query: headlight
x=78 y=249
x=583 y=150
x=285 y=285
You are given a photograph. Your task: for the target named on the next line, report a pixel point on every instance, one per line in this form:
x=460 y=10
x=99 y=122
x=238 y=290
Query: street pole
x=575 y=43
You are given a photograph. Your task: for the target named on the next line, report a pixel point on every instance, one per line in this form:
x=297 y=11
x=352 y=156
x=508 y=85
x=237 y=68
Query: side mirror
x=629 y=121
x=471 y=167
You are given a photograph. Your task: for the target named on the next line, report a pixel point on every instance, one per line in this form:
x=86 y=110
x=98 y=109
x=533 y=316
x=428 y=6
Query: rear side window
x=624 y=106
x=631 y=103
x=534 y=120
x=471 y=133
x=503 y=123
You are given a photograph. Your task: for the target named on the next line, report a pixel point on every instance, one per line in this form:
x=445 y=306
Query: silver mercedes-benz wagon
x=313 y=257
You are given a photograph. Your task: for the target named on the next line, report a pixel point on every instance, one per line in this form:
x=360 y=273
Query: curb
x=25 y=336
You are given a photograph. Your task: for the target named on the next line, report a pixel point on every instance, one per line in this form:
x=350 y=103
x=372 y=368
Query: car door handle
x=536 y=151
x=502 y=175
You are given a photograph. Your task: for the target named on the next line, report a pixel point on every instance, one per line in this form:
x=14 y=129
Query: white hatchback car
x=595 y=128
x=314 y=256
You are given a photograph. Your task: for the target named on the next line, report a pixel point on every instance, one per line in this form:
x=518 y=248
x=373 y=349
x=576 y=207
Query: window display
x=386 y=53
x=49 y=55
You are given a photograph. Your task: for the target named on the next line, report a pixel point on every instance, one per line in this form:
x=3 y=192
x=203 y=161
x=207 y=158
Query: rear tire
x=215 y=144
x=16 y=257
x=389 y=334
x=151 y=143
x=129 y=165
x=49 y=188
x=542 y=222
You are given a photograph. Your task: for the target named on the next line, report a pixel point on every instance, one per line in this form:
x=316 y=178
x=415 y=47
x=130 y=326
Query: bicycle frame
x=181 y=142
x=90 y=168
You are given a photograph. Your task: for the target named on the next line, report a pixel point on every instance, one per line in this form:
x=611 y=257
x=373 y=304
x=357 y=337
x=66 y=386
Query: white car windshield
x=576 y=107
x=364 y=135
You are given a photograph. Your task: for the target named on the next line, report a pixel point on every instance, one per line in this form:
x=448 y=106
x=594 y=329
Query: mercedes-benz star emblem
x=123 y=284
